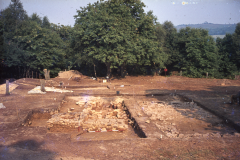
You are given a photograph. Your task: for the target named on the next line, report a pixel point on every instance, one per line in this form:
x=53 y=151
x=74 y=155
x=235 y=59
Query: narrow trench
x=134 y=125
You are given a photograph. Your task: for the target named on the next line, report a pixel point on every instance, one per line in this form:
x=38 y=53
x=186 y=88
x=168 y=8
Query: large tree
x=12 y=17
x=198 y=52
x=35 y=48
x=170 y=46
x=27 y=44
x=226 y=56
x=117 y=33
x=236 y=45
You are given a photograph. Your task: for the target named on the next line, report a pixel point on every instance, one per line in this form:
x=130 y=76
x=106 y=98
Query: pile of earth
x=71 y=74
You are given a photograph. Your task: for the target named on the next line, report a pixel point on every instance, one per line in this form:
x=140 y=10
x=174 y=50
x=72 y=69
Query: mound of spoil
x=72 y=74
x=96 y=116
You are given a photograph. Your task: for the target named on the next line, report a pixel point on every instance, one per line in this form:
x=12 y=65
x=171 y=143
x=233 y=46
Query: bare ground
x=18 y=140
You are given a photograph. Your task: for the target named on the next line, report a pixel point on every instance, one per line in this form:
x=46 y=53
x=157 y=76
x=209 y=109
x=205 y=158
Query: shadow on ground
x=214 y=100
x=24 y=150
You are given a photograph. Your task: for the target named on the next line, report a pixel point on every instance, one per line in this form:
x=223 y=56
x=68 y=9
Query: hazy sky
x=176 y=11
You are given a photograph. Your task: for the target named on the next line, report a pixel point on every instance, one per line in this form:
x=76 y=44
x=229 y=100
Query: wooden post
x=46 y=74
x=180 y=73
x=39 y=76
x=36 y=75
x=95 y=71
x=7 y=87
x=32 y=74
x=42 y=85
x=61 y=84
x=235 y=77
x=207 y=75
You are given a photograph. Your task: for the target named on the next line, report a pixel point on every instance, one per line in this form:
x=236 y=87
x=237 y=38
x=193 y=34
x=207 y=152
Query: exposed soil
x=209 y=129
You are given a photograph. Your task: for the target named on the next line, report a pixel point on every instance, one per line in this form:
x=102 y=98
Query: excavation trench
x=89 y=118
x=224 y=119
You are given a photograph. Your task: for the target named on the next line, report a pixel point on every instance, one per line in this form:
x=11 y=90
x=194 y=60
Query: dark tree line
x=113 y=37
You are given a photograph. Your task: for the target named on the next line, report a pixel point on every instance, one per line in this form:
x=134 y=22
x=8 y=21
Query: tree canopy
x=117 y=33
x=29 y=42
x=111 y=36
x=198 y=52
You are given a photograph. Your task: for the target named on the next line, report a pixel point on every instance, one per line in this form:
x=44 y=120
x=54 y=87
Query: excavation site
x=118 y=117
x=132 y=118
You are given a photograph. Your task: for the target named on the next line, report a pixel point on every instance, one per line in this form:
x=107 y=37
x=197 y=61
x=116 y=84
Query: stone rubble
x=96 y=116
x=161 y=112
x=2 y=106
x=37 y=90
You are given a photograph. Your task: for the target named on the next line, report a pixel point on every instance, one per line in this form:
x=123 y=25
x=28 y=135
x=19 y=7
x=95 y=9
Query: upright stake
x=7 y=87
x=32 y=74
x=207 y=75
x=42 y=85
x=95 y=71
x=36 y=75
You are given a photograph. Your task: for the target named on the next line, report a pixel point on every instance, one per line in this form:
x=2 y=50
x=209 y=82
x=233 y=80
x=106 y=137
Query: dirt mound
x=225 y=82
x=72 y=74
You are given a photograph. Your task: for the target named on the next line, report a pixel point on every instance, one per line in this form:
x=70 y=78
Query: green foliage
x=236 y=45
x=170 y=46
x=117 y=33
x=46 y=23
x=11 y=18
x=226 y=53
x=160 y=34
x=109 y=35
x=36 y=18
x=36 y=48
x=198 y=52
x=28 y=43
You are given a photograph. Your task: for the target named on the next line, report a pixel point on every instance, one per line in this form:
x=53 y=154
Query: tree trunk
x=19 y=72
x=24 y=72
x=27 y=72
x=157 y=72
x=123 y=71
x=7 y=87
x=46 y=74
x=42 y=81
x=108 y=69
x=95 y=71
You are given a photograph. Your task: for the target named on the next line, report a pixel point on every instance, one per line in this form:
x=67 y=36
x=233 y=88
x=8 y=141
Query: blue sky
x=176 y=11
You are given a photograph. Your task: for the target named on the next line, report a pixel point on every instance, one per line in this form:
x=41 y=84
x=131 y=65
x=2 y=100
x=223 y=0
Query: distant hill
x=214 y=29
